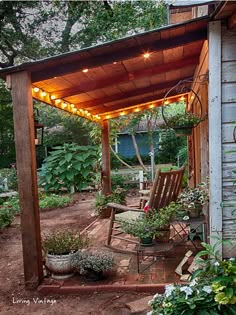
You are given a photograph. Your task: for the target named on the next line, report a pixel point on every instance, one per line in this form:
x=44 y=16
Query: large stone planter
x=60 y=266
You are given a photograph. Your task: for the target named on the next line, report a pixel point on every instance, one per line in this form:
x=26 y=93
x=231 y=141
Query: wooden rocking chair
x=166 y=188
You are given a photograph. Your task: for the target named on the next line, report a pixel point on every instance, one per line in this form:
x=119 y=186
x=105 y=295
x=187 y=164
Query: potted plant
x=183 y=123
x=92 y=264
x=59 y=247
x=193 y=199
x=150 y=224
x=101 y=201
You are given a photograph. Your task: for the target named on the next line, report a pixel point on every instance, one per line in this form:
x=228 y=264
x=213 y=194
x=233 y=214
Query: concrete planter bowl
x=60 y=266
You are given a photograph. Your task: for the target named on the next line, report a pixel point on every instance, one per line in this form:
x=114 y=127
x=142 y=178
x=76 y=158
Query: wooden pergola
x=101 y=82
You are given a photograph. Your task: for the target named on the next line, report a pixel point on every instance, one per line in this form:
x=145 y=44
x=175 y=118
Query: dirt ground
x=14 y=299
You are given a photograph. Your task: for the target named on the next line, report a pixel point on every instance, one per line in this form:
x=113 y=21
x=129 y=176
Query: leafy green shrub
x=83 y=262
x=53 y=200
x=69 y=166
x=6 y=217
x=212 y=290
x=10 y=207
x=63 y=242
x=101 y=201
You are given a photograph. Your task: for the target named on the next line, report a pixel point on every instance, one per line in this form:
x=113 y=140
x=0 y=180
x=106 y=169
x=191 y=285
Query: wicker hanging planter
x=182 y=123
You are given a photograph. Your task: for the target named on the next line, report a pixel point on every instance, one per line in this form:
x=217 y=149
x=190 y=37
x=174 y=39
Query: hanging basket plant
x=182 y=121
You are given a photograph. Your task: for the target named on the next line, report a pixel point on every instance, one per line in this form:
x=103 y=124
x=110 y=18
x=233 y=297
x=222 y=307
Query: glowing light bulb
x=64 y=105
x=146 y=55
x=36 y=89
x=122 y=114
x=85 y=70
x=53 y=97
x=72 y=105
x=151 y=106
x=43 y=93
x=58 y=101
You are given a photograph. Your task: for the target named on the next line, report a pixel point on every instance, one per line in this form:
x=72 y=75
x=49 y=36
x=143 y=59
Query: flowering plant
x=212 y=290
x=85 y=261
x=193 y=197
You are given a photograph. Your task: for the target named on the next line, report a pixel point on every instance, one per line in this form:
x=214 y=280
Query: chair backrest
x=166 y=188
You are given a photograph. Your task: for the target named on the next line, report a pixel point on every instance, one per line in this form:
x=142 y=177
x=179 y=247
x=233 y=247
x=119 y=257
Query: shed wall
x=228 y=142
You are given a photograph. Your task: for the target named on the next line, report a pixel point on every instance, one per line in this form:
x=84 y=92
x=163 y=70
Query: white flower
x=186 y=217
x=207 y=289
x=187 y=290
x=216 y=263
x=169 y=289
x=193 y=283
x=231 y=259
x=149 y=313
x=157 y=295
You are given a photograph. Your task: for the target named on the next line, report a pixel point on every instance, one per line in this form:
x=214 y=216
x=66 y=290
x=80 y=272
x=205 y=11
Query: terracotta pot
x=60 y=266
x=163 y=234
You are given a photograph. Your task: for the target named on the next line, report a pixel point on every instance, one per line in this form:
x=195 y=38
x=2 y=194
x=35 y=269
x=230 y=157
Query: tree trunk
x=138 y=154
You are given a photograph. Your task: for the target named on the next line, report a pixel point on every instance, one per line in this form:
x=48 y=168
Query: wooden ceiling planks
x=118 y=75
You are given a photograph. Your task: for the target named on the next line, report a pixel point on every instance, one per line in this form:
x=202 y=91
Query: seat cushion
x=127 y=216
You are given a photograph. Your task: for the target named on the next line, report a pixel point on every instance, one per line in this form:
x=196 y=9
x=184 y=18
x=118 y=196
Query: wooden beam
x=147 y=72
x=116 y=54
x=232 y=21
x=27 y=178
x=126 y=102
x=215 y=137
x=106 y=171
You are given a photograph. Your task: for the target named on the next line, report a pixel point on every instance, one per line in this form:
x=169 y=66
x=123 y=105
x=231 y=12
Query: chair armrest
x=122 y=207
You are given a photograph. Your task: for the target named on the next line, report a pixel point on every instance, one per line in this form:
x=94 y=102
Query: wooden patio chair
x=166 y=188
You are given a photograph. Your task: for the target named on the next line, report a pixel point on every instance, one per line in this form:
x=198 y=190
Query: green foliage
x=212 y=290
x=101 y=201
x=85 y=261
x=68 y=166
x=7 y=147
x=147 y=225
x=6 y=216
x=10 y=207
x=186 y=119
x=169 y=146
x=47 y=201
x=62 y=242
x=192 y=197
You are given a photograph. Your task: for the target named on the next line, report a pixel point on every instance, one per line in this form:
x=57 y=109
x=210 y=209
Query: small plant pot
x=146 y=241
x=163 y=235
x=196 y=211
x=60 y=266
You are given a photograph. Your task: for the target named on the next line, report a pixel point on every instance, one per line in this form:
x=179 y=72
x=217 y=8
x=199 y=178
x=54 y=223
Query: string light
x=36 y=89
x=43 y=93
x=85 y=70
x=146 y=55
x=52 y=97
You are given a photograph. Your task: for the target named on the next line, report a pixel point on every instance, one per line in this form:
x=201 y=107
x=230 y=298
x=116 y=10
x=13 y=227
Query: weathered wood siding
x=228 y=143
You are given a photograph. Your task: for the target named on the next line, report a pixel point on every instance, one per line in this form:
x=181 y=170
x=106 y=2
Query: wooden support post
x=215 y=137
x=106 y=169
x=27 y=178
